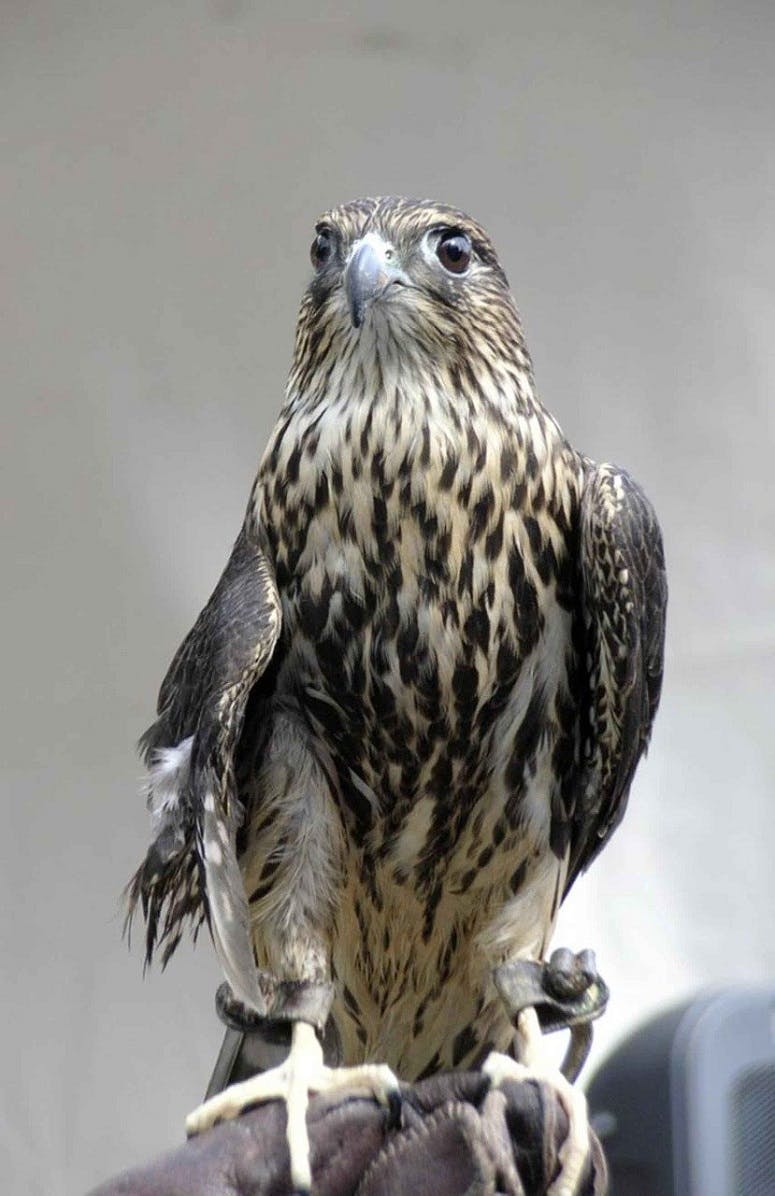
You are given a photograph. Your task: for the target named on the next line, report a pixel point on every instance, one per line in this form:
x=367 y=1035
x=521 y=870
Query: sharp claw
x=574 y=1152
x=395 y=1105
x=302 y=1073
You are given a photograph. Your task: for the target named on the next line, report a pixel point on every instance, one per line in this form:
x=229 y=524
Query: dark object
x=567 y=992
x=254 y=1044
x=456 y=1136
x=686 y=1105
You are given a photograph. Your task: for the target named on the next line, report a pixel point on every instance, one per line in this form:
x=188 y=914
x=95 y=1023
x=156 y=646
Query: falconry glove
x=456 y=1136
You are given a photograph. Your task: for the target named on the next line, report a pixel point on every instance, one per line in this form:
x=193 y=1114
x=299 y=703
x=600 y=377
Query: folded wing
x=191 y=871
x=624 y=600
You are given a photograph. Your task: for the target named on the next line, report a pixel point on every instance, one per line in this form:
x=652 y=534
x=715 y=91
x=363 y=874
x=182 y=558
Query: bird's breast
x=424 y=560
x=421 y=558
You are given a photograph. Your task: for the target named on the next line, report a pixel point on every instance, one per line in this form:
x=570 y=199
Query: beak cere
x=367 y=275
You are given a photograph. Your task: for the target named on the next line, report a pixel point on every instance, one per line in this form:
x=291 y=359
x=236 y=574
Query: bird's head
x=402 y=280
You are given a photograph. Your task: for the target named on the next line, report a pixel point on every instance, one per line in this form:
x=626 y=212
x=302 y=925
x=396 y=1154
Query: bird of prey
x=410 y=714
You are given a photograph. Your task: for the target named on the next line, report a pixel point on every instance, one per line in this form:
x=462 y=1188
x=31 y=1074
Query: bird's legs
x=534 y=1065
x=565 y=992
x=294 y=836
x=302 y=1073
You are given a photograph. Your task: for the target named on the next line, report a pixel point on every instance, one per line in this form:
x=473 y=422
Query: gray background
x=161 y=168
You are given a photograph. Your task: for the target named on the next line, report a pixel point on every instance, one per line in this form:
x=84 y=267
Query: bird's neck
x=388 y=419
x=379 y=371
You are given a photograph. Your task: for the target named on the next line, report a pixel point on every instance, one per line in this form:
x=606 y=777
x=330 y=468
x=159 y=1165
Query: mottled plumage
x=410 y=714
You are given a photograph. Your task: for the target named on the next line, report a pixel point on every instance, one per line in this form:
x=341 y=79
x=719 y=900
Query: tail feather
x=167 y=885
x=228 y=913
x=168 y=890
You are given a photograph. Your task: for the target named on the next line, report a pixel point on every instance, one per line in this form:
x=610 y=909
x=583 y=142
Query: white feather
x=301 y=838
x=229 y=907
x=167 y=780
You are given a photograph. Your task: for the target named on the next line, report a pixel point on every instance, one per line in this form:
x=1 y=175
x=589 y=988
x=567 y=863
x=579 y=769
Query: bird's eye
x=321 y=249
x=454 y=252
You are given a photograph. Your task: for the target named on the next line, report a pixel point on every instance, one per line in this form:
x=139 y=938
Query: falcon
x=409 y=715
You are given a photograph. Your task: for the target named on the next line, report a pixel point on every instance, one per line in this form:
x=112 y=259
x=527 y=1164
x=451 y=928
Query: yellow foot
x=302 y=1072
x=575 y=1149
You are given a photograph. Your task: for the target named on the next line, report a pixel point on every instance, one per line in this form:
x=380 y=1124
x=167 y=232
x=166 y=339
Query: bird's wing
x=191 y=869
x=624 y=600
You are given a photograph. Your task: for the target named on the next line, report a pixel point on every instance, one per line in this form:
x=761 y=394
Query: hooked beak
x=368 y=274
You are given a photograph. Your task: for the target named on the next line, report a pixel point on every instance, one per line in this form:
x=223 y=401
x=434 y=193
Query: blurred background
x=161 y=167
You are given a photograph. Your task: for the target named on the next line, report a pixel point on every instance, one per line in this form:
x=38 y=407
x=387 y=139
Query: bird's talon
x=534 y=1065
x=302 y=1074
x=394 y=1106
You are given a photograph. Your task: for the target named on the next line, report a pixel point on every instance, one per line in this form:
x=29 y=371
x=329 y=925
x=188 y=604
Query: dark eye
x=454 y=252
x=321 y=249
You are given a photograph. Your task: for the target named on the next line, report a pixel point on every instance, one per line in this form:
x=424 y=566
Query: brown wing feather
x=624 y=600
x=203 y=698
